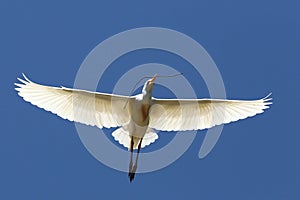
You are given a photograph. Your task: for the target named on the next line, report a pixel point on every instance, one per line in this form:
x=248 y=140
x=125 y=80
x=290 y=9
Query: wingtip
x=18 y=84
x=267 y=100
x=25 y=77
x=17 y=89
x=22 y=81
x=267 y=97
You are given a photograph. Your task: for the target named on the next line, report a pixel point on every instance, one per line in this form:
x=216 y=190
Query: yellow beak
x=153 y=78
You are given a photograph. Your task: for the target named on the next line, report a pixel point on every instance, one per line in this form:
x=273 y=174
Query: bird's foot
x=132 y=173
x=131 y=176
x=130 y=169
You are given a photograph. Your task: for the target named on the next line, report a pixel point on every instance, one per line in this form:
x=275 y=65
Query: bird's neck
x=147 y=96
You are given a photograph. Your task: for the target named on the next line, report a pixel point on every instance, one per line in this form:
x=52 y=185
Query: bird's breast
x=145 y=111
x=140 y=113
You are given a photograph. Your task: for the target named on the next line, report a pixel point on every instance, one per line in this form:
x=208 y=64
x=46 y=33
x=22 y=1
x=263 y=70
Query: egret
x=137 y=117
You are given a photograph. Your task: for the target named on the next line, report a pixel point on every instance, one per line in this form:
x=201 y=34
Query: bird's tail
x=122 y=136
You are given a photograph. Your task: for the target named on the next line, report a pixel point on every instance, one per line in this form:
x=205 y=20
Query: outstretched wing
x=91 y=108
x=189 y=114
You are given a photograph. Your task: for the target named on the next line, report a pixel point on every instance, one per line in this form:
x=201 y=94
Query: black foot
x=130 y=169
x=132 y=173
x=131 y=176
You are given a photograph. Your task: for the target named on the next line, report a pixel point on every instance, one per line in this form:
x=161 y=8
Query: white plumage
x=198 y=114
x=142 y=114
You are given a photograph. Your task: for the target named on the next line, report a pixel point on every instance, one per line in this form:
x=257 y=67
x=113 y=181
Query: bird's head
x=148 y=86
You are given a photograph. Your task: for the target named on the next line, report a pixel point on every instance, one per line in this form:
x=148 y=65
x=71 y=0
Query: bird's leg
x=138 y=151
x=131 y=153
x=131 y=175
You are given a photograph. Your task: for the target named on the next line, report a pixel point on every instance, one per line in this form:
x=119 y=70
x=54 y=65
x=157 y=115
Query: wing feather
x=189 y=114
x=91 y=108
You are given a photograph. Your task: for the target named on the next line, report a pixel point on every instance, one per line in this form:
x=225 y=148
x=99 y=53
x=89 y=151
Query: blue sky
x=255 y=45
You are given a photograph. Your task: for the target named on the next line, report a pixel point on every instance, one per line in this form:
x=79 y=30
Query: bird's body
x=139 y=109
x=137 y=116
x=138 y=124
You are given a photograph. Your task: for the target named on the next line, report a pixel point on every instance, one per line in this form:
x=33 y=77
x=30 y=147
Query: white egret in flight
x=137 y=116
